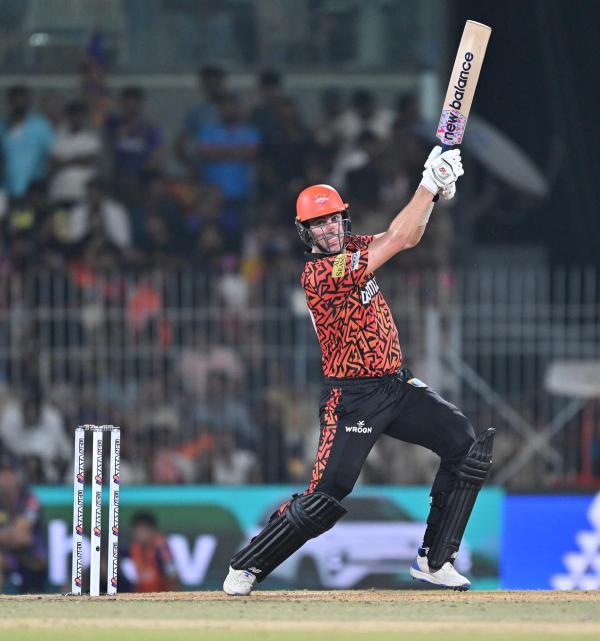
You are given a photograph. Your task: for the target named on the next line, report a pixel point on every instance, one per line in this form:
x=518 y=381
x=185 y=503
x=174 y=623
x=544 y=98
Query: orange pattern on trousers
x=328 y=429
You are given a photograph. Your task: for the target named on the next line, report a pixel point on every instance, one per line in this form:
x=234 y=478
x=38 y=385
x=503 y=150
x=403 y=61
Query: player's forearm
x=404 y=232
x=421 y=228
x=408 y=226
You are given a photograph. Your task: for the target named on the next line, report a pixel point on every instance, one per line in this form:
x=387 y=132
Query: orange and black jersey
x=354 y=324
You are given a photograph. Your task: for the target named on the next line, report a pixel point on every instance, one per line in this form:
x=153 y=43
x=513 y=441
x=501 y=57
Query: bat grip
x=444 y=148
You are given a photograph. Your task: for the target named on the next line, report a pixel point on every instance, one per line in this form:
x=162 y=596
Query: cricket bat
x=463 y=81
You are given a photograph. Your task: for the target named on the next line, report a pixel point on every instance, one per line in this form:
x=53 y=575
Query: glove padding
x=448 y=192
x=442 y=170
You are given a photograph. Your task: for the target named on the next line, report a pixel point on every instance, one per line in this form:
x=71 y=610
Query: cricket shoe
x=445 y=577
x=239 y=582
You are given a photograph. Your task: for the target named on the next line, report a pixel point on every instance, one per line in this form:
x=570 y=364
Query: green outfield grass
x=297 y=616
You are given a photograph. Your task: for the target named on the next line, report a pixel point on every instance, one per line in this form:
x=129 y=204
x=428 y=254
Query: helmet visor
x=329 y=234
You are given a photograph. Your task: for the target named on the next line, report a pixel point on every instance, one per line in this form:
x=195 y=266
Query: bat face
x=463 y=81
x=453 y=119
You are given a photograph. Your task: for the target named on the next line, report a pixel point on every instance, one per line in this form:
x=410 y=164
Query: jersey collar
x=315 y=256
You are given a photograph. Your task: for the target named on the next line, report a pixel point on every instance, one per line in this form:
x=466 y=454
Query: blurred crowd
x=92 y=179
x=109 y=236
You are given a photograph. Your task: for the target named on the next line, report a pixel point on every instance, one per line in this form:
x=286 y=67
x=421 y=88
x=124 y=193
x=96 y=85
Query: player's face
x=328 y=232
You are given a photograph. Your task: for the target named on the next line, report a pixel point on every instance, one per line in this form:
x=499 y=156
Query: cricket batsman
x=367 y=392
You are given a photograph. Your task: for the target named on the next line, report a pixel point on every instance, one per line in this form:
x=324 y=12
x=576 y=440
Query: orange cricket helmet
x=316 y=201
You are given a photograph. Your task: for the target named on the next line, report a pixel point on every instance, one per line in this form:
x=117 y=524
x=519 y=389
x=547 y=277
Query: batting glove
x=448 y=192
x=442 y=170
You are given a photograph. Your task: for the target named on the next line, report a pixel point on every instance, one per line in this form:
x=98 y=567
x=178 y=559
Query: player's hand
x=448 y=192
x=442 y=169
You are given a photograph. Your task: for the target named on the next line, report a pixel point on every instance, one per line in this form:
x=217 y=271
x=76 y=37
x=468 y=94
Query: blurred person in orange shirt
x=148 y=564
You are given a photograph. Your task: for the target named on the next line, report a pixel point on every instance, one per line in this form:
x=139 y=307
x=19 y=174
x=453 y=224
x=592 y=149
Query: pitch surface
x=291 y=616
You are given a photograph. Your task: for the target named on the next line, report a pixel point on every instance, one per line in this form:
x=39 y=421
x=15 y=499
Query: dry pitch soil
x=419 y=615
x=328 y=596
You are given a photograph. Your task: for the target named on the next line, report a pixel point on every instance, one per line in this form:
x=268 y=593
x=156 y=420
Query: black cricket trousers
x=354 y=413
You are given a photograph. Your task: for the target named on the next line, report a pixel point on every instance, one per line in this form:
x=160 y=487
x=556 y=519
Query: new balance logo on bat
x=455 y=118
x=461 y=84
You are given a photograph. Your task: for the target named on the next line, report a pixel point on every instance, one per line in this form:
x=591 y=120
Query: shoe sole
x=237 y=593
x=417 y=575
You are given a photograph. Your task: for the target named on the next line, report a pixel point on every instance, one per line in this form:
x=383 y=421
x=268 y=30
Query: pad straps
x=457 y=508
x=306 y=517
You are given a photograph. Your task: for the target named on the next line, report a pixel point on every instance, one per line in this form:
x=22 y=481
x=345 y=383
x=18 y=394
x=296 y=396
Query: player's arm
x=404 y=232
x=407 y=228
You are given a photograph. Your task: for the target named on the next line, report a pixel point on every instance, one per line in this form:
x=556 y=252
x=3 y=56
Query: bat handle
x=444 y=148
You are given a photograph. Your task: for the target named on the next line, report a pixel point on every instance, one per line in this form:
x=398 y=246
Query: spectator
x=223 y=411
x=199 y=206
x=212 y=81
x=265 y=115
x=209 y=254
x=329 y=128
x=144 y=305
x=33 y=431
x=400 y=158
x=358 y=175
x=232 y=465
x=199 y=365
x=99 y=218
x=287 y=154
x=148 y=564
x=23 y=558
x=51 y=106
x=25 y=141
x=408 y=114
x=93 y=79
x=135 y=144
x=116 y=390
x=364 y=179
x=26 y=346
x=171 y=467
x=159 y=243
x=74 y=156
x=364 y=115
x=229 y=150
x=272 y=447
x=101 y=261
x=158 y=225
x=411 y=129
x=28 y=228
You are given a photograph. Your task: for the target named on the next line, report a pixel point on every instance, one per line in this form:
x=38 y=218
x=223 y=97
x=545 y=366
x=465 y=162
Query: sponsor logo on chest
x=339 y=266
x=368 y=290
